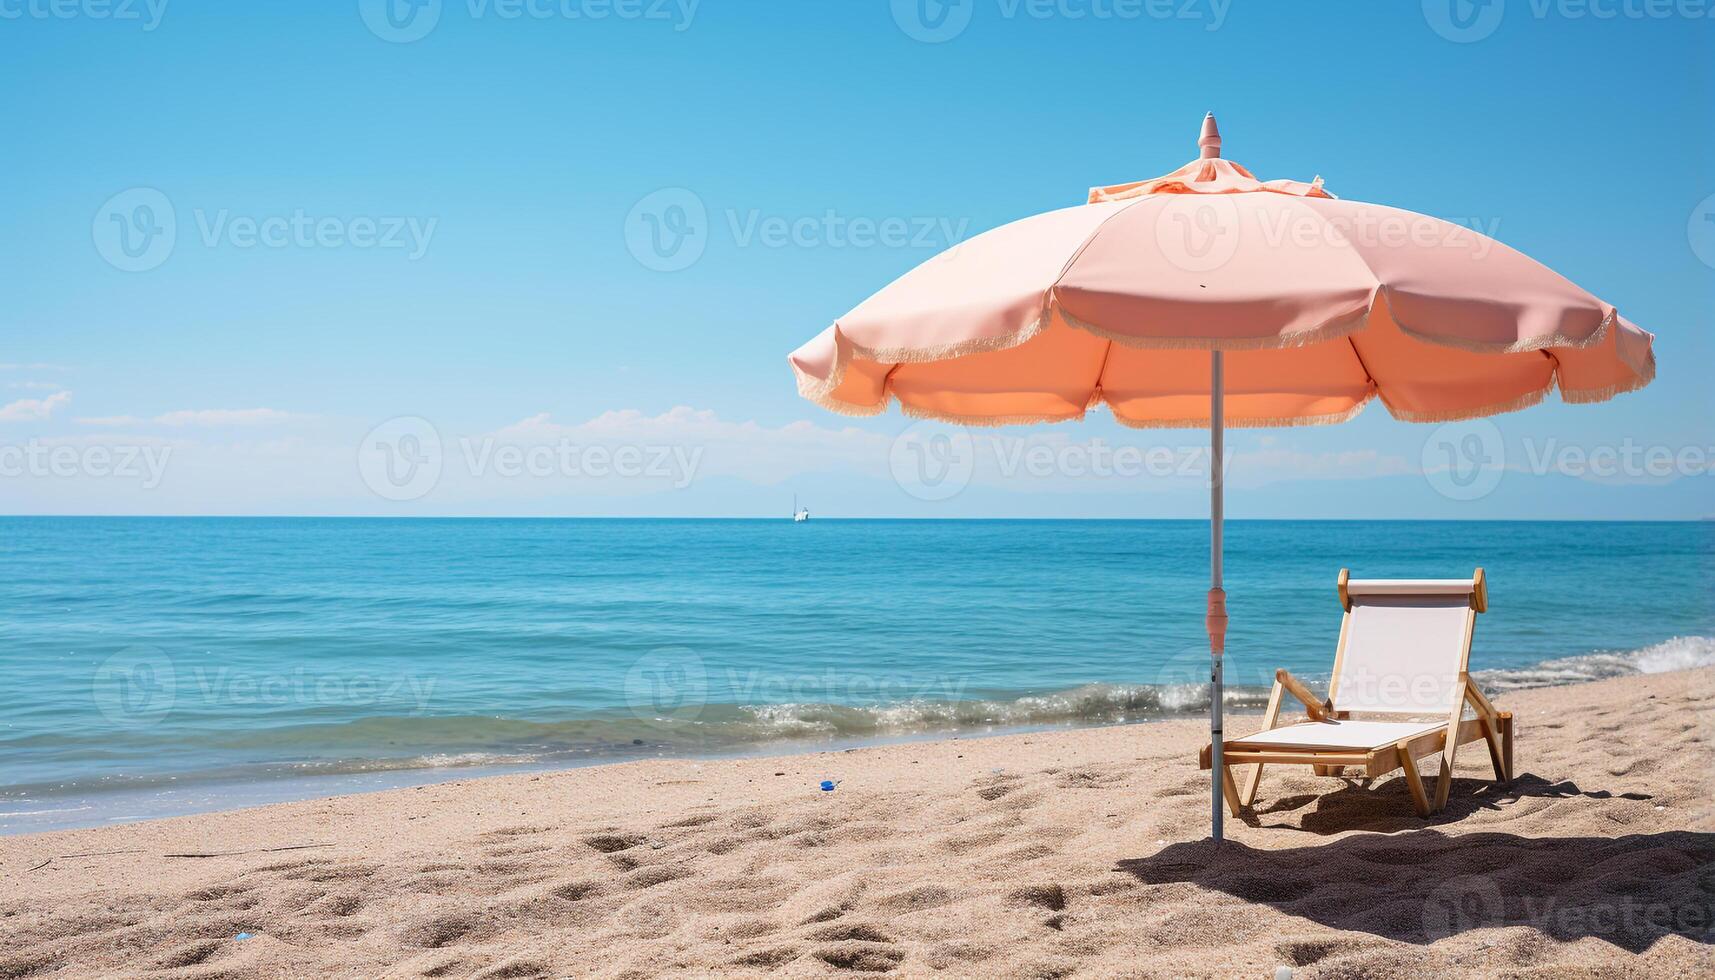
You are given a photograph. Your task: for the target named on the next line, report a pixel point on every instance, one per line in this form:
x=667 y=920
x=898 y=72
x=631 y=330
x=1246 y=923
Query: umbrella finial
x=1210 y=140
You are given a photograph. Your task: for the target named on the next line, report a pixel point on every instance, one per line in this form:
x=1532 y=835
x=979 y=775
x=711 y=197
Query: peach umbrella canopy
x=1322 y=304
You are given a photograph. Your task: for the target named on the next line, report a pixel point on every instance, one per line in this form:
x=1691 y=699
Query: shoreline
x=1009 y=854
x=1091 y=706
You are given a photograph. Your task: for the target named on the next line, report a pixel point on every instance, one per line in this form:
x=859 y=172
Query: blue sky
x=454 y=229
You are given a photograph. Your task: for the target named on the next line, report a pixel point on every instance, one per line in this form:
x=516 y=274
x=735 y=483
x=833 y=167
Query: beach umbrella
x=1209 y=298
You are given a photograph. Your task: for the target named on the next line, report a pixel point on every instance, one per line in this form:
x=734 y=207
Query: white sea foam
x=1679 y=653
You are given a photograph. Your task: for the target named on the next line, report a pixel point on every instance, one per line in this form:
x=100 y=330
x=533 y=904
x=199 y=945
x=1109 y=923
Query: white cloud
x=34 y=409
x=226 y=416
x=207 y=417
x=747 y=450
x=536 y=465
x=112 y=420
x=1274 y=463
x=34 y=385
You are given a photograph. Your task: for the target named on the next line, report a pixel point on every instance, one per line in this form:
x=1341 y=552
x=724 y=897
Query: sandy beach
x=1046 y=854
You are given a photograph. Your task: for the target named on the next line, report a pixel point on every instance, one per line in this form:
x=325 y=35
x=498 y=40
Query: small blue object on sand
x=828 y=785
x=242 y=936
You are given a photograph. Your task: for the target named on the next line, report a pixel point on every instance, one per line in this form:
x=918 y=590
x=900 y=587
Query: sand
x=1048 y=854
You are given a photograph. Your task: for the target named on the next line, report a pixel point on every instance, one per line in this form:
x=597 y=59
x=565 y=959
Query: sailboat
x=799 y=514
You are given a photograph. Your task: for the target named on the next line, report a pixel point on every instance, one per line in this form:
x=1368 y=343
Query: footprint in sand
x=863 y=957
x=613 y=843
x=443 y=929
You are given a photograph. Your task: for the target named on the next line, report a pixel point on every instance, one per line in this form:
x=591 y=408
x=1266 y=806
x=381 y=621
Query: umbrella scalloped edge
x=821 y=391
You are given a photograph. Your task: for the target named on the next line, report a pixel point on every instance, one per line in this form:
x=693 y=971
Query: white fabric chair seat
x=1336 y=735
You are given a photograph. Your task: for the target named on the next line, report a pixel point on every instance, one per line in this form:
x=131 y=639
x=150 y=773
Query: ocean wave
x=405 y=743
x=1679 y=653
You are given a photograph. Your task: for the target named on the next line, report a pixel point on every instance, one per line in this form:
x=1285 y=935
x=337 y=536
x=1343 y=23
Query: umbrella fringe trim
x=838 y=407
x=944 y=352
x=1251 y=422
x=1525 y=346
x=1586 y=396
x=821 y=392
x=1522 y=402
x=846 y=350
x=984 y=421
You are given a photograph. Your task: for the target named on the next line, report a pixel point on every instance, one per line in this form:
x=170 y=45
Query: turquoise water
x=156 y=666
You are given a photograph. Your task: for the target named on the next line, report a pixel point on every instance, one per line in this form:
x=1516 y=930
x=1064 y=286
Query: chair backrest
x=1404 y=643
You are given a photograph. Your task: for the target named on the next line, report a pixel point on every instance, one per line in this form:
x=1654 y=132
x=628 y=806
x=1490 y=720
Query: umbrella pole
x=1216 y=620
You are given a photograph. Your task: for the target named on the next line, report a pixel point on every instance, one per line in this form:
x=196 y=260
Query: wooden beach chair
x=1399 y=690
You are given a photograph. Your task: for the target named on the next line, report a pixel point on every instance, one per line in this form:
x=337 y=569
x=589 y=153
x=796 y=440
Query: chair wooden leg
x=1444 y=779
x=1230 y=790
x=1413 y=781
x=1507 y=744
x=1450 y=744
x=1253 y=778
x=1270 y=718
x=1492 y=738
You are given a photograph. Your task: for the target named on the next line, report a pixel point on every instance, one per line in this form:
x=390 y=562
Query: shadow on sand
x=1420 y=886
x=1385 y=807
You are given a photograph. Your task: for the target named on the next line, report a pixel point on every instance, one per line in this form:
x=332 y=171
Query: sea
x=159 y=666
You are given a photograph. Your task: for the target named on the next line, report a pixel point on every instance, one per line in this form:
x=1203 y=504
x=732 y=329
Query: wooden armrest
x=1475 y=696
x=1317 y=709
